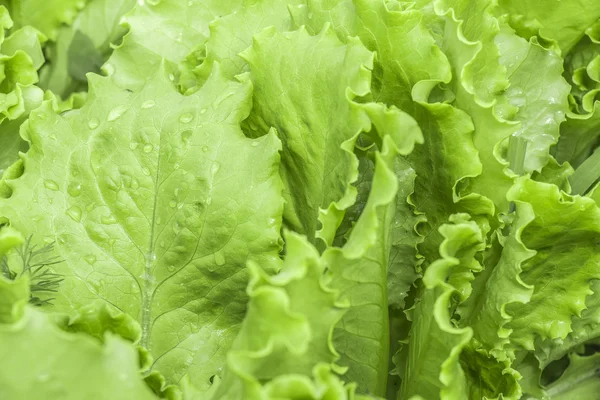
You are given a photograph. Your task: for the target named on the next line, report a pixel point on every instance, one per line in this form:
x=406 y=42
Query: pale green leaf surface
x=45 y=15
x=39 y=360
x=316 y=119
x=495 y=87
x=579 y=381
x=232 y=34
x=408 y=66
x=359 y=271
x=145 y=205
x=441 y=363
x=287 y=329
x=166 y=29
x=564 y=22
x=83 y=46
x=564 y=235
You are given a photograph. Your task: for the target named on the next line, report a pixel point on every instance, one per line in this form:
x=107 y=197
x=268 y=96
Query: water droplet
x=43 y=377
x=74 y=189
x=176 y=192
x=186 y=118
x=254 y=144
x=215 y=168
x=146 y=171
x=186 y=135
x=205 y=149
x=108 y=219
x=153 y=2
x=94 y=123
x=310 y=15
x=50 y=184
x=171 y=77
x=190 y=3
x=176 y=166
x=203 y=111
x=172 y=204
x=116 y=113
x=162 y=243
x=148 y=104
x=272 y=221
x=219 y=258
x=135 y=184
x=208 y=201
x=148 y=148
x=90 y=259
x=171 y=268
x=179 y=206
x=133 y=145
x=75 y=213
x=109 y=69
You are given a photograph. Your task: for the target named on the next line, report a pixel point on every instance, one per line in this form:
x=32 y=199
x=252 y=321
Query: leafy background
x=307 y=199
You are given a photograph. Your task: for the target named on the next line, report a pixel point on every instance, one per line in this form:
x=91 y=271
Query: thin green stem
x=586 y=175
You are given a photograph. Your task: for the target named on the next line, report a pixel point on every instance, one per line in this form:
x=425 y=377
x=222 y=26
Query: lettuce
x=299 y=199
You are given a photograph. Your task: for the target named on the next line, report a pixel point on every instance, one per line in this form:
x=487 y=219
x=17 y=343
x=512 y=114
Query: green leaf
x=359 y=272
x=409 y=66
x=83 y=46
x=561 y=270
x=317 y=120
x=579 y=381
x=563 y=22
x=45 y=16
x=14 y=294
x=151 y=214
x=494 y=85
x=578 y=137
x=233 y=33
x=440 y=362
x=163 y=29
x=42 y=361
x=288 y=327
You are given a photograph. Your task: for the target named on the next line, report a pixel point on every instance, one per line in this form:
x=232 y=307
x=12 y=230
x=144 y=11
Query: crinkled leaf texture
x=152 y=215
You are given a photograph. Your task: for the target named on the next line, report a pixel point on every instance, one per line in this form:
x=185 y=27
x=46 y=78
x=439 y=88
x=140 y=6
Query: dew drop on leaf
x=116 y=113
x=219 y=258
x=186 y=135
x=186 y=118
x=50 y=184
x=148 y=104
x=108 y=219
x=148 y=148
x=93 y=123
x=109 y=69
x=75 y=213
x=74 y=189
x=90 y=259
x=215 y=168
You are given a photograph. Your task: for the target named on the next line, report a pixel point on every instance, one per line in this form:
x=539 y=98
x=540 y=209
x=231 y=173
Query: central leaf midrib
x=147 y=285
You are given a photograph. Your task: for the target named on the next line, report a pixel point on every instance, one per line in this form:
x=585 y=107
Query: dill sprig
x=37 y=262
